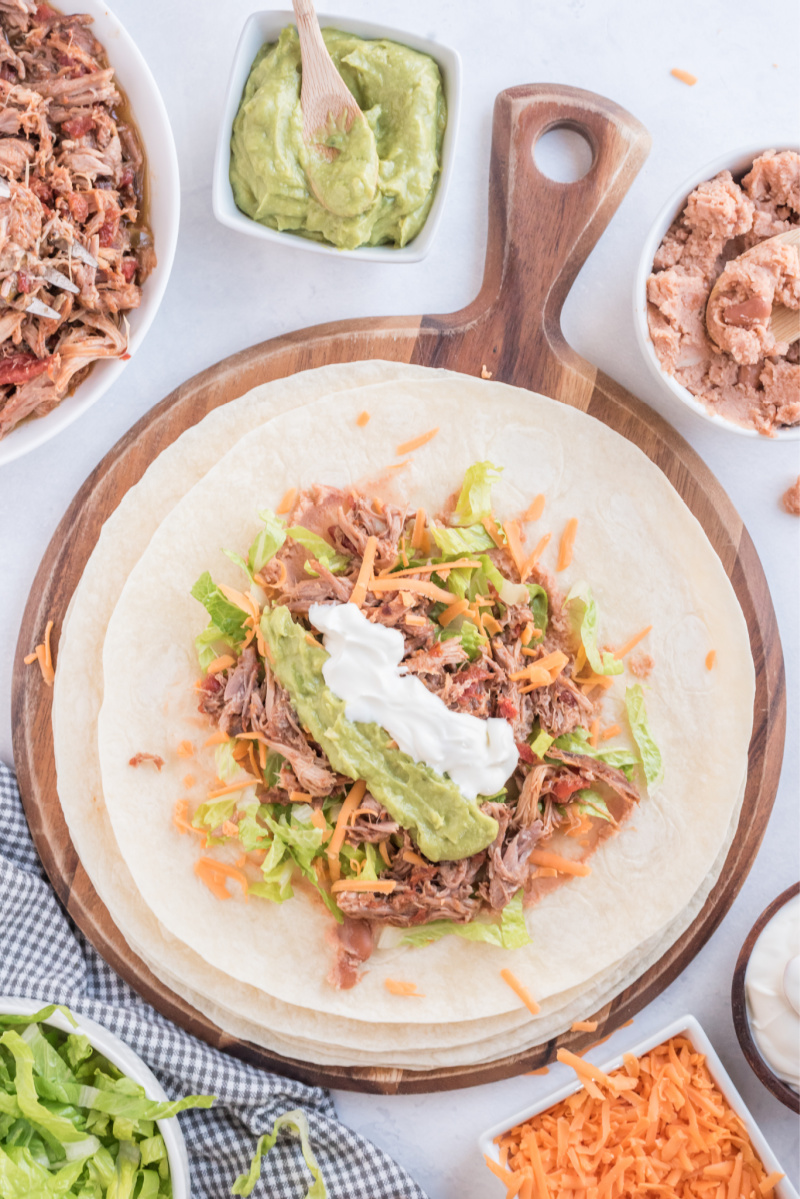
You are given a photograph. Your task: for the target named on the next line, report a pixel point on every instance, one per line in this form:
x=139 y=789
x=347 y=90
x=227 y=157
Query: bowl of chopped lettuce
x=80 y=1114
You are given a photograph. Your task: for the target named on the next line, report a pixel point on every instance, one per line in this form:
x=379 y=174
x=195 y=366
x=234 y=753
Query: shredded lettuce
x=208 y=644
x=510 y=933
x=541 y=743
x=584 y=618
x=214 y=813
x=72 y=1126
x=319 y=548
x=227 y=766
x=649 y=753
x=577 y=742
x=297 y=1124
x=458 y=543
x=470 y=635
x=592 y=804
x=225 y=616
x=267 y=543
x=538 y=603
x=475 y=499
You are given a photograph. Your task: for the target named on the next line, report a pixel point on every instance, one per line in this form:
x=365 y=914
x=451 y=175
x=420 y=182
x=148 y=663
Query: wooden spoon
x=331 y=114
x=785 y=322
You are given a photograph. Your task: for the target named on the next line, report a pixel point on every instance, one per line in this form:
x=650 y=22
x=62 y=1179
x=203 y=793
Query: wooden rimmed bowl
x=741 y=1021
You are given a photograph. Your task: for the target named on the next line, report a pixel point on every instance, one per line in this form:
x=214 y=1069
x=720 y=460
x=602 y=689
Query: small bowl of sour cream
x=766 y=998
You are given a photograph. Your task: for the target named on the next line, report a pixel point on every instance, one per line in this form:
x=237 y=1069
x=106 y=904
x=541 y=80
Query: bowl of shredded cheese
x=664 y=1113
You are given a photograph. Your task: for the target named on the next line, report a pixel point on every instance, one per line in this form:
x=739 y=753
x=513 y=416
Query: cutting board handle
x=540 y=231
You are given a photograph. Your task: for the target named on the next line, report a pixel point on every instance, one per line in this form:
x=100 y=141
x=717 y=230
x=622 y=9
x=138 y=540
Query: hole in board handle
x=563 y=154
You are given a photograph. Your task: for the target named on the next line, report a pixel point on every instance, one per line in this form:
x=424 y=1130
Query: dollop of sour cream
x=772 y=987
x=364 y=670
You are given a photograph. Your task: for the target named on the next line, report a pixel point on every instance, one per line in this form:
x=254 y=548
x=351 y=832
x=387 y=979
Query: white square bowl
x=263 y=27
x=684 y=1026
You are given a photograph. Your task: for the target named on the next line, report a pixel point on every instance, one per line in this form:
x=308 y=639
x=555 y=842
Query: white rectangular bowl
x=685 y=1026
x=263 y=27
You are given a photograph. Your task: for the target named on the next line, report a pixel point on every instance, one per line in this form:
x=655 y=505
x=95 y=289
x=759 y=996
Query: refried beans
x=740 y=372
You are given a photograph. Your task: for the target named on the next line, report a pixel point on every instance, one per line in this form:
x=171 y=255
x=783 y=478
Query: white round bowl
x=126 y=1060
x=262 y=27
x=737 y=162
x=151 y=117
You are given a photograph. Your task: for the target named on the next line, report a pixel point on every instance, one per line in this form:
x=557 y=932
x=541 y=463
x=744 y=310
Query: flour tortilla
x=648 y=562
x=237 y=1008
x=78 y=696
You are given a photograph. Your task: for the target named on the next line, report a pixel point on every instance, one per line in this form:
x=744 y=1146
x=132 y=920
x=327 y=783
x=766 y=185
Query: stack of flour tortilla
x=127 y=667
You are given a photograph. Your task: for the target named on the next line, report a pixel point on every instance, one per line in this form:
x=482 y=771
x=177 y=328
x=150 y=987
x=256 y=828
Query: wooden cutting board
x=540 y=234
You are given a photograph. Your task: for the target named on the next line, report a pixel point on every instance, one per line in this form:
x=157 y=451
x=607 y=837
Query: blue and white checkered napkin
x=43 y=956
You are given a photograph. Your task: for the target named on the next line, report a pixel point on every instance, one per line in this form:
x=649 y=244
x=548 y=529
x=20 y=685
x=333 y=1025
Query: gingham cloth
x=43 y=956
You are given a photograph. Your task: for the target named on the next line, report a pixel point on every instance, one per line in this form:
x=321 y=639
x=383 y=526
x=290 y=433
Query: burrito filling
x=434 y=764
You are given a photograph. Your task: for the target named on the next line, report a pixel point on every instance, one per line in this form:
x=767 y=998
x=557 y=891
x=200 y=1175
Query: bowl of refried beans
x=722 y=360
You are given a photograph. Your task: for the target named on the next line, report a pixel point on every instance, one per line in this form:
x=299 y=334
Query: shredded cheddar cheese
x=536 y=554
x=420 y=586
x=287 y=502
x=384 y=886
x=522 y=991
x=491 y=528
x=456 y=608
x=43 y=655
x=628 y=646
x=543 y=857
x=419 y=534
x=612 y=730
x=567 y=544
x=185 y=749
x=408 y=855
x=233 y=787
x=711 y=658
x=395 y=987
x=584 y=1026
x=416 y=443
x=362 y=419
x=429 y=568
x=217 y=738
x=514 y=540
x=213 y=874
x=536 y=509
x=359 y=592
x=658 y=1126
x=684 y=76
x=221 y=663
x=236 y=597
x=352 y=800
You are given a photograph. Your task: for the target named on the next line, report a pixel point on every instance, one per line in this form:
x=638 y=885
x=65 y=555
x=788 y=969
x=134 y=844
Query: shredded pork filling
x=246 y=698
x=75 y=172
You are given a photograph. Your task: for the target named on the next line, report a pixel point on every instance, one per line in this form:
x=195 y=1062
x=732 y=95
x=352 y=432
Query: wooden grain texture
x=540 y=233
x=776 y=1086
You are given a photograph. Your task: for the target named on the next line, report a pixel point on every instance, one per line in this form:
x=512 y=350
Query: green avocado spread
x=399 y=91
x=444 y=823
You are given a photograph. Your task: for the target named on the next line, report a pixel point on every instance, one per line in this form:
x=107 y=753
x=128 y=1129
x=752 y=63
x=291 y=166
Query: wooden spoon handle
x=540 y=231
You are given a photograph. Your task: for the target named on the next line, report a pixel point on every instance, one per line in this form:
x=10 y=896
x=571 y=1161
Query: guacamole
x=444 y=823
x=399 y=90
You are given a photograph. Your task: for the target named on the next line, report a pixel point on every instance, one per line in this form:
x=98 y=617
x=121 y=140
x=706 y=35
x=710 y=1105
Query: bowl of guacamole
x=408 y=89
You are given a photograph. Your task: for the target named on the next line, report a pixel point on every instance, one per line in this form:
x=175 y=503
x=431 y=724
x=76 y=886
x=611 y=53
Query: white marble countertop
x=228 y=292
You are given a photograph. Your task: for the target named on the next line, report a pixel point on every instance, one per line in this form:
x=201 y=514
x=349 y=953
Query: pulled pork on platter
x=74 y=249
x=487 y=631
